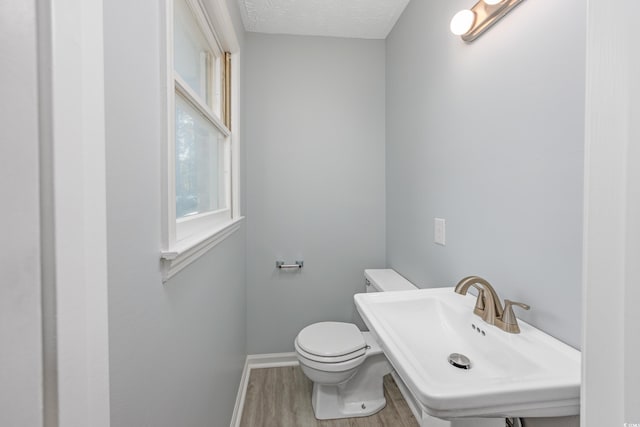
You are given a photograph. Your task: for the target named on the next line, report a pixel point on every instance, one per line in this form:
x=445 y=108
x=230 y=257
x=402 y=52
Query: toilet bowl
x=346 y=365
x=347 y=369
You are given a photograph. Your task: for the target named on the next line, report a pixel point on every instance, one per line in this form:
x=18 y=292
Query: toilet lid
x=331 y=339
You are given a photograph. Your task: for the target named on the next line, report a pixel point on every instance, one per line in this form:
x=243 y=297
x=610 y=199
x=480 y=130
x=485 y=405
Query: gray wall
x=177 y=350
x=314 y=131
x=490 y=137
x=20 y=300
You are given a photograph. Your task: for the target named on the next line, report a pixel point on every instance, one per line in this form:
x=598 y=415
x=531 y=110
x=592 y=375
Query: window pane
x=192 y=58
x=200 y=175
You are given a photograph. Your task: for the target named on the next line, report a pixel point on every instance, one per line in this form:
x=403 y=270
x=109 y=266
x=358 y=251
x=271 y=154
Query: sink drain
x=460 y=361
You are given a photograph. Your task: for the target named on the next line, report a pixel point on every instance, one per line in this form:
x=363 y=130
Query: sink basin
x=530 y=374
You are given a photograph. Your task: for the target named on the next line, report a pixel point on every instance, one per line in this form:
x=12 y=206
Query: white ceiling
x=365 y=19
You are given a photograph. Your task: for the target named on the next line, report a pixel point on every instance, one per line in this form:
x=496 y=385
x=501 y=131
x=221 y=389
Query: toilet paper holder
x=282 y=266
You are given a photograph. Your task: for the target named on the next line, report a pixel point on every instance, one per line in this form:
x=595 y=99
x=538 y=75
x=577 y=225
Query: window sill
x=186 y=252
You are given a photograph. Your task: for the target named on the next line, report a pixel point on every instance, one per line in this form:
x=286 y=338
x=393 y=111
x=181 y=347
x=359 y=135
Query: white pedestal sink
x=530 y=374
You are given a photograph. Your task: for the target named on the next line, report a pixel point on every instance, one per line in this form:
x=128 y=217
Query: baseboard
x=242 y=391
x=272 y=360
x=258 y=361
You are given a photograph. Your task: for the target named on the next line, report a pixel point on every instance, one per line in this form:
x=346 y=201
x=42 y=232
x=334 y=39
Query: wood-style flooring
x=281 y=397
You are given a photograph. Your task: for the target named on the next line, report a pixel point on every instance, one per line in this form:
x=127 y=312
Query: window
x=201 y=198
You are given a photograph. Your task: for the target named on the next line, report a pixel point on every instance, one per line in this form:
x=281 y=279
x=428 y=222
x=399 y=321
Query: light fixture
x=471 y=23
x=462 y=22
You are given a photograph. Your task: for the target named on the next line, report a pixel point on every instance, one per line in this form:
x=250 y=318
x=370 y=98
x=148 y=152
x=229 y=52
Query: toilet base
x=360 y=396
x=330 y=403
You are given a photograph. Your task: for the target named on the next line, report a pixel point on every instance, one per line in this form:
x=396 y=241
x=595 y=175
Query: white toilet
x=345 y=364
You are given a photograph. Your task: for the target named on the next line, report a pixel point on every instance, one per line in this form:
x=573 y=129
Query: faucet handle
x=508 y=303
x=509 y=319
x=480 y=301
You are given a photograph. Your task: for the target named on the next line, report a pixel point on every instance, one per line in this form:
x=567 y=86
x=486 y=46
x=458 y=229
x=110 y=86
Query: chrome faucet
x=488 y=305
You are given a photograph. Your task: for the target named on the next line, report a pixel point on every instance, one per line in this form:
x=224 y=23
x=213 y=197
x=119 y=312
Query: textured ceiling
x=366 y=19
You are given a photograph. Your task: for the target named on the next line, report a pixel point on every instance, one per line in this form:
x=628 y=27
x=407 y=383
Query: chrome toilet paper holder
x=282 y=266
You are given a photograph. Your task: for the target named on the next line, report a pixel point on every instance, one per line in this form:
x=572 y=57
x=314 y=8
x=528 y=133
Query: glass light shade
x=492 y=2
x=462 y=22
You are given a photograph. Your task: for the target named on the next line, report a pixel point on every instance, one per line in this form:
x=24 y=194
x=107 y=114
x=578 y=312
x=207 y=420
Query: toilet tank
x=385 y=280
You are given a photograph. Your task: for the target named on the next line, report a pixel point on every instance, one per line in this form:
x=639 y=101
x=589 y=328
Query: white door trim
x=612 y=201
x=72 y=63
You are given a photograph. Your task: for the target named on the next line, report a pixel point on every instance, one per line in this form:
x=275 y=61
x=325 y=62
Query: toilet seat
x=330 y=364
x=331 y=342
x=329 y=359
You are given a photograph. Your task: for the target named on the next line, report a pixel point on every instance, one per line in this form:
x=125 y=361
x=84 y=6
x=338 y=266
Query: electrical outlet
x=439 y=231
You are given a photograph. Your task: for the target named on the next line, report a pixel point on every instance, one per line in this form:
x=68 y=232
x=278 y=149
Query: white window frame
x=206 y=230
